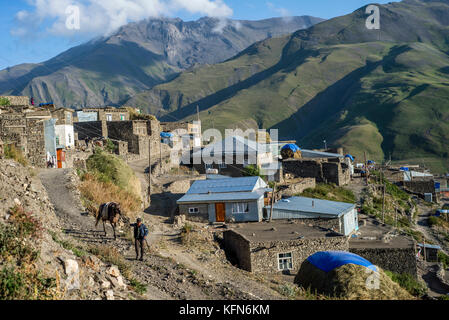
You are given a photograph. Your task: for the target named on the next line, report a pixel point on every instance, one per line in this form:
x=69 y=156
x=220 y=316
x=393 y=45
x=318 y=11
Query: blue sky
x=37 y=44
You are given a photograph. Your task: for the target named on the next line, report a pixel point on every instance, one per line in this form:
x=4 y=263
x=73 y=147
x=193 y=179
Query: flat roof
x=311 y=205
x=281 y=230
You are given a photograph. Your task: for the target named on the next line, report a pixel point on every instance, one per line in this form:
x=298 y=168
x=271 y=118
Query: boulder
x=113 y=271
x=109 y=295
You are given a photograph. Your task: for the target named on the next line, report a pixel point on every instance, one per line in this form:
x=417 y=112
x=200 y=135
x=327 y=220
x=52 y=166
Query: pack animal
x=109 y=212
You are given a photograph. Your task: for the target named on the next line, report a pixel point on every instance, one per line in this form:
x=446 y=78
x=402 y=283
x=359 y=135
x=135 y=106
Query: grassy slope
x=334 y=81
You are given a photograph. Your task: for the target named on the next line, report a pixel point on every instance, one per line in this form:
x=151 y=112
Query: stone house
x=133 y=136
x=27 y=132
x=280 y=246
x=224 y=200
x=65 y=134
x=396 y=255
x=232 y=155
x=333 y=170
x=102 y=114
x=188 y=134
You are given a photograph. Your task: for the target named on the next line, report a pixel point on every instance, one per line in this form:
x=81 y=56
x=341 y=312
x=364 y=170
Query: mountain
x=109 y=70
x=385 y=92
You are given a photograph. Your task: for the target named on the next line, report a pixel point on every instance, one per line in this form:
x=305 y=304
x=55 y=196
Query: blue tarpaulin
x=330 y=260
x=371 y=162
x=404 y=169
x=45 y=104
x=166 y=135
x=292 y=147
x=350 y=157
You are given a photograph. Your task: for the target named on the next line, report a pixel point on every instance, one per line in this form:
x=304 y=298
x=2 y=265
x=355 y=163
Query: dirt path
x=422 y=225
x=168 y=271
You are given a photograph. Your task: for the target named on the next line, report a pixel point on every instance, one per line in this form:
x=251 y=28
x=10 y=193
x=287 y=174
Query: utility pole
x=149 y=172
x=383 y=197
x=160 y=156
x=272 y=202
x=366 y=168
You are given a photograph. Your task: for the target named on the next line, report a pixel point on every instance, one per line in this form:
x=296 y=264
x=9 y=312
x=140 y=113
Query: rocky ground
x=78 y=276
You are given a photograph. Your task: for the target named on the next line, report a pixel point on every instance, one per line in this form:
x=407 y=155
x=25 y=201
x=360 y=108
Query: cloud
x=284 y=13
x=104 y=17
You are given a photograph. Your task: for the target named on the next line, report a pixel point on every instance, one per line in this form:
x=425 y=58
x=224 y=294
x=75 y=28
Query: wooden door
x=220 y=212
x=59 y=156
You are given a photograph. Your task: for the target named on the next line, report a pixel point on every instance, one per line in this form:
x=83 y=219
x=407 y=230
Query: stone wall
x=237 y=249
x=35 y=146
x=262 y=257
x=91 y=130
x=201 y=216
x=421 y=187
x=292 y=188
x=400 y=260
x=26 y=134
x=18 y=100
x=332 y=171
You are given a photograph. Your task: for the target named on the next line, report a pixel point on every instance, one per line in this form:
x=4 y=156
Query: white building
x=65 y=135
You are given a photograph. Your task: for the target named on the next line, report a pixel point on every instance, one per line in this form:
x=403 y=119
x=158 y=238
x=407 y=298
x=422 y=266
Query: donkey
x=109 y=212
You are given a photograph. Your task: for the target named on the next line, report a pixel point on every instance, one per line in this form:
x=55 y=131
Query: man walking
x=140 y=234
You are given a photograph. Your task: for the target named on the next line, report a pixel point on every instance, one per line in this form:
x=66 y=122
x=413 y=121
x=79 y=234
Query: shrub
x=19 y=284
x=433 y=221
x=251 y=171
x=443 y=258
x=4 y=101
x=11 y=152
x=110 y=146
x=408 y=282
x=139 y=287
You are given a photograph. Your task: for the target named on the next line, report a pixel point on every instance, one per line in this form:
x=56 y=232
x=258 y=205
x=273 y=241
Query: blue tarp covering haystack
x=329 y=260
x=346 y=275
x=350 y=157
x=291 y=151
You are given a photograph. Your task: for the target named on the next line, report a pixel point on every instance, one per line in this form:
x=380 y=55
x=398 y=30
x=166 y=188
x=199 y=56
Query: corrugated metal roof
x=302 y=204
x=213 y=197
x=245 y=184
x=233 y=145
x=317 y=154
x=430 y=246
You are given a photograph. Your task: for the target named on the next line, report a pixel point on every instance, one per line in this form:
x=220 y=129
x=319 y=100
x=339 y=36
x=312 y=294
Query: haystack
x=291 y=151
x=350 y=281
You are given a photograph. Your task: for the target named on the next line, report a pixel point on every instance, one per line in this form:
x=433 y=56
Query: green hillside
x=381 y=92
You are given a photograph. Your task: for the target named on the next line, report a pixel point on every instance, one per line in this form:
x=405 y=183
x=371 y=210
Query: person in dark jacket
x=140 y=234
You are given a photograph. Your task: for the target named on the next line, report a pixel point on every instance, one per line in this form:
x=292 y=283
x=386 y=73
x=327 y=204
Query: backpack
x=145 y=229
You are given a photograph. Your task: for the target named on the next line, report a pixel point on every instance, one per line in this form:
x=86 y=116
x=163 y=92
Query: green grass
x=11 y=152
x=330 y=192
x=444 y=259
x=4 y=101
x=138 y=287
x=408 y=282
x=68 y=245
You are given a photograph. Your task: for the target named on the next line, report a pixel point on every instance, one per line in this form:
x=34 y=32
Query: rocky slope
x=107 y=71
x=69 y=272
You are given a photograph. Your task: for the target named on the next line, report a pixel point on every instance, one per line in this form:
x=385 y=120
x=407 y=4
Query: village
x=265 y=205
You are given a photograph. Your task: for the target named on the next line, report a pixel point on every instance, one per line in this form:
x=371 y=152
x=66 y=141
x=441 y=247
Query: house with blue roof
x=229 y=199
x=340 y=216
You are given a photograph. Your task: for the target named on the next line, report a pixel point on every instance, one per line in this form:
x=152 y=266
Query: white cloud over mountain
x=104 y=16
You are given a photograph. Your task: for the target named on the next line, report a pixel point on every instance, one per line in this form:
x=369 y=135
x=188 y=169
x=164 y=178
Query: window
x=240 y=208
x=70 y=138
x=285 y=261
x=108 y=117
x=57 y=140
x=122 y=117
x=222 y=166
x=68 y=117
x=194 y=210
x=209 y=166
